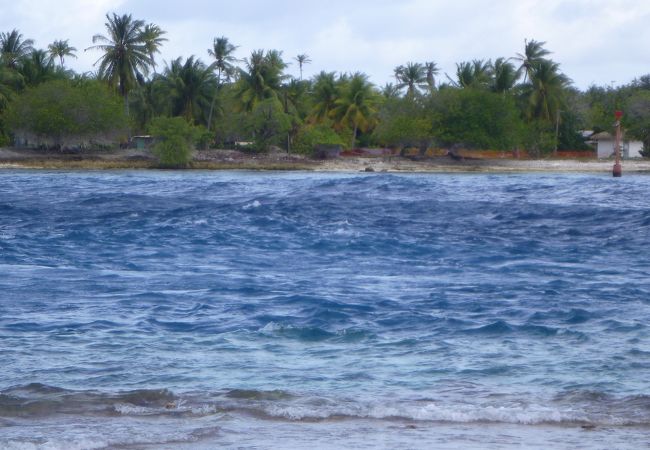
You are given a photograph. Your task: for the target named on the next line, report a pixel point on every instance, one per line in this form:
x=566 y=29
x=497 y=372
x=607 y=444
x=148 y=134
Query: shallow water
x=195 y=309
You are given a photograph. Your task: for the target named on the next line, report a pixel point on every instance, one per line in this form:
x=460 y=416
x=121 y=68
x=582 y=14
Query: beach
x=234 y=160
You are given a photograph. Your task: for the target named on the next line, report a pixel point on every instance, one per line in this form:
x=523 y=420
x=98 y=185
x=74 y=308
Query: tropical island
x=230 y=112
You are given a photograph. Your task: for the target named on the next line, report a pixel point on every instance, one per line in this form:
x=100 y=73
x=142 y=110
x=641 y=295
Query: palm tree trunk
x=354 y=135
x=214 y=99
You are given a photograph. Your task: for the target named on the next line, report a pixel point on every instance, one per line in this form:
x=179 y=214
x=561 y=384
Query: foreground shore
x=234 y=160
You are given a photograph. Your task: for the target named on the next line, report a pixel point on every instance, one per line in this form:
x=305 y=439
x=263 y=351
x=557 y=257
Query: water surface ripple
x=151 y=308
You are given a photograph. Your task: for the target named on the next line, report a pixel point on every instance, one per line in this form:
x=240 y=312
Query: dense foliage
x=64 y=114
x=518 y=102
x=174 y=141
x=476 y=118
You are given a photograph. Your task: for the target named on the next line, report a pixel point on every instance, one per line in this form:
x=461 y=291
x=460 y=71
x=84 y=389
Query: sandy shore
x=495 y=165
x=233 y=160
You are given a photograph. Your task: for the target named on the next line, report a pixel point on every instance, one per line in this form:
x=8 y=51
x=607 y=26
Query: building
x=604 y=143
x=141 y=142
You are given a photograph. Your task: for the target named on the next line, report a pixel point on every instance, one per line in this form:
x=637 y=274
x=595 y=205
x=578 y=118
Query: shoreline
x=235 y=160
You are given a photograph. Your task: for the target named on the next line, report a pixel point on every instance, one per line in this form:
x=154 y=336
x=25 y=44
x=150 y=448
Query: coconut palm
x=546 y=90
x=504 y=75
x=432 y=70
x=356 y=108
x=38 y=67
x=10 y=83
x=222 y=52
x=126 y=55
x=475 y=74
x=411 y=76
x=61 y=49
x=390 y=91
x=152 y=36
x=534 y=52
x=13 y=48
x=295 y=94
x=302 y=59
x=190 y=87
x=261 y=80
x=324 y=94
x=146 y=101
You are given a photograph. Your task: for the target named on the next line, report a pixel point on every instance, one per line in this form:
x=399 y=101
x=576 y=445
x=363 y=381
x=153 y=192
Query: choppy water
x=196 y=309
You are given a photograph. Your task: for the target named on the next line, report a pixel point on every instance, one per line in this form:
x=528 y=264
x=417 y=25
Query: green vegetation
x=310 y=136
x=518 y=102
x=476 y=118
x=63 y=114
x=175 y=138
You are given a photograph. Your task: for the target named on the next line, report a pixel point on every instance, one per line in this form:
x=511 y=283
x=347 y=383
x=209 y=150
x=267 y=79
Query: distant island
x=519 y=104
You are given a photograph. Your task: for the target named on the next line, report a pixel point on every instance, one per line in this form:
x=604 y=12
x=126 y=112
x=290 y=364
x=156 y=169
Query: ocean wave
x=313 y=334
x=574 y=407
x=501 y=327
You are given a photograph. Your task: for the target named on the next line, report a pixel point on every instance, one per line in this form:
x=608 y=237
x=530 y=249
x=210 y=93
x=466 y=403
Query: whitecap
x=271 y=327
x=127 y=409
x=255 y=204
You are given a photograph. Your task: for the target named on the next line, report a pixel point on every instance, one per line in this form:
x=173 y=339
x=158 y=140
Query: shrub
x=476 y=118
x=174 y=136
x=269 y=124
x=59 y=113
x=311 y=136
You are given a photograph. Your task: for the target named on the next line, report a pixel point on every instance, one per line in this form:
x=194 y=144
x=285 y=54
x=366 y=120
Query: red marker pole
x=618 y=171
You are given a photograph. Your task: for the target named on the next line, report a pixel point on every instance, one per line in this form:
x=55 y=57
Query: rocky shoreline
x=237 y=160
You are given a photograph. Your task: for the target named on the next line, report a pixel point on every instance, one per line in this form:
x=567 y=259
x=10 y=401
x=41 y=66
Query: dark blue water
x=147 y=309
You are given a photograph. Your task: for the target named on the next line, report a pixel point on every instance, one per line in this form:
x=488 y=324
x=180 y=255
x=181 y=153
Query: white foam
x=255 y=204
x=271 y=327
x=56 y=444
x=127 y=409
x=432 y=412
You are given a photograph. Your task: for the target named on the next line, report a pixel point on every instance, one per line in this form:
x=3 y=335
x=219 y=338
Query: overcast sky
x=601 y=42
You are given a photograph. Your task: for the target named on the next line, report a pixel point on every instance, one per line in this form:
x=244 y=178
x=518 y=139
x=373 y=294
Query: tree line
x=523 y=101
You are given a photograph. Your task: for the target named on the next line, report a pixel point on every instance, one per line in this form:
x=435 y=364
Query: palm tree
x=390 y=91
x=153 y=40
x=10 y=83
x=190 y=87
x=146 y=101
x=13 y=48
x=61 y=49
x=534 y=52
x=324 y=95
x=39 y=67
x=357 y=105
x=302 y=59
x=295 y=94
x=126 y=55
x=505 y=75
x=222 y=52
x=411 y=76
x=261 y=80
x=432 y=70
x=475 y=74
x=546 y=90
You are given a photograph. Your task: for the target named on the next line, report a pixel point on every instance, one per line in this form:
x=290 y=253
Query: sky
x=600 y=42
